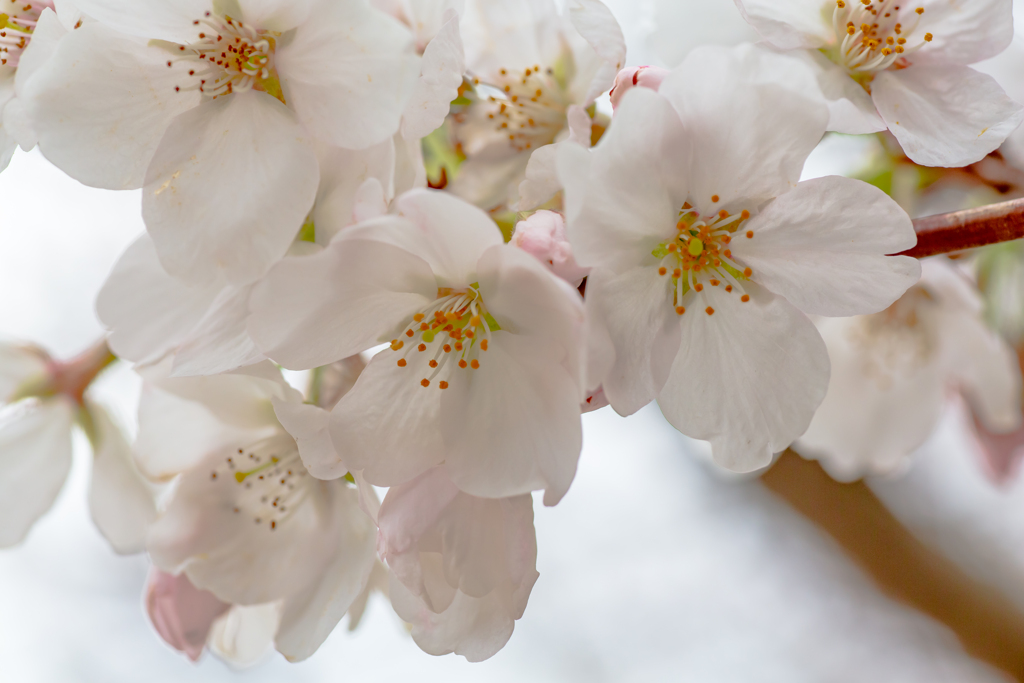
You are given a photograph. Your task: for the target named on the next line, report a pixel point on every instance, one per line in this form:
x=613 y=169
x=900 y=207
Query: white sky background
x=653 y=568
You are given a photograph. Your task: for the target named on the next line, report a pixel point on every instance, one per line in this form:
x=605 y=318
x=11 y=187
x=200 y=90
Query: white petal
x=964 y=32
x=35 y=457
x=221 y=341
x=634 y=312
x=101 y=104
x=148 y=312
x=313 y=310
x=244 y=635
x=596 y=23
x=18 y=364
x=790 y=24
x=750 y=138
x=164 y=19
x=342 y=174
x=945 y=115
x=823 y=246
x=541 y=183
x=388 y=425
x=45 y=38
x=883 y=401
x=444 y=62
x=277 y=15
x=308 y=618
x=747 y=378
x=349 y=74
x=229 y=188
x=513 y=425
x=120 y=502
x=309 y=424
x=850 y=107
x=627 y=199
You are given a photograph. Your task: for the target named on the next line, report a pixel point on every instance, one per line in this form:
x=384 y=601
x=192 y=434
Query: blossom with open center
x=215 y=112
x=705 y=249
x=531 y=68
x=903 y=66
x=246 y=521
x=482 y=372
x=892 y=372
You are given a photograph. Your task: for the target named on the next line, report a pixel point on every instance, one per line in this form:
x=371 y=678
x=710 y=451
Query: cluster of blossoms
x=431 y=207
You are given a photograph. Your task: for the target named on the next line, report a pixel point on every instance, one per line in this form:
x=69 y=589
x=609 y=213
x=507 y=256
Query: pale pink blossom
x=543 y=235
x=637 y=77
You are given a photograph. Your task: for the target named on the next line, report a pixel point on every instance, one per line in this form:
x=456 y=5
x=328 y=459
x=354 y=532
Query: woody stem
x=961 y=230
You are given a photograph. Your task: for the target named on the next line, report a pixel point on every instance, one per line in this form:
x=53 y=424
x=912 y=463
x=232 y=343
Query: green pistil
x=241 y=476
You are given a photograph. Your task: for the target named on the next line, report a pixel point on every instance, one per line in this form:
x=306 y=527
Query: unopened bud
x=636 y=76
x=543 y=235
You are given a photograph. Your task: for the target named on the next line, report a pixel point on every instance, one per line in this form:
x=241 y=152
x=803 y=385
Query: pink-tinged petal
x=523 y=296
x=221 y=341
x=596 y=23
x=945 y=115
x=748 y=376
x=963 y=32
x=542 y=235
x=790 y=24
x=309 y=617
x=444 y=62
x=120 y=502
x=228 y=188
x=634 y=311
x=148 y=312
x=883 y=401
x=102 y=103
x=35 y=457
x=650 y=77
x=313 y=310
x=1001 y=453
x=349 y=73
x=309 y=425
x=750 y=137
x=163 y=19
x=388 y=425
x=823 y=246
x=513 y=425
x=624 y=198
x=181 y=613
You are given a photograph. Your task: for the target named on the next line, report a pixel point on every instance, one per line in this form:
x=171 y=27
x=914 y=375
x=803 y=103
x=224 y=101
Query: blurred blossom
x=903 y=67
x=706 y=252
x=892 y=371
x=682 y=25
x=181 y=613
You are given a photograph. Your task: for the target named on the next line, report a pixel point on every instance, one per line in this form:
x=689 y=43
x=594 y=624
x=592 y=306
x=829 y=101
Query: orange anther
x=728 y=288
x=680 y=310
x=728 y=253
x=475 y=321
x=396 y=345
x=402 y=363
x=475 y=364
x=421 y=348
x=676 y=273
x=745 y=298
x=442 y=385
x=447 y=348
x=672 y=246
x=662 y=270
x=699 y=287
x=747 y=272
x=409 y=333
x=726 y=239
x=714 y=198
x=470 y=333
x=433 y=363
x=418 y=317
x=458 y=346
x=709 y=310
x=462 y=363
x=715 y=283
x=750 y=234
x=723 y=214
x=483 y=345
x=424 y=327
x=425 y=382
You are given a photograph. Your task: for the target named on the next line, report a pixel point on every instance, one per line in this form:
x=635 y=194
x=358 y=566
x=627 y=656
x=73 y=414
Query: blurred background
x=655 y=567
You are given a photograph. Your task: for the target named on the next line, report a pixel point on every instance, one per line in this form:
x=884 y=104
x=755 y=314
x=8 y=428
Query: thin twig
x=961 y=230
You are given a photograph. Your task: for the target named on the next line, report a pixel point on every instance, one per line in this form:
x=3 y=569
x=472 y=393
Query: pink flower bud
x=543 y=235
x=636 y=76
x=181 y=613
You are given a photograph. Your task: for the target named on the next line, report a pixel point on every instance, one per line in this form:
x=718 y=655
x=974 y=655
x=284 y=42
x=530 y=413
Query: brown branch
x=988 y=626
x=962 y=230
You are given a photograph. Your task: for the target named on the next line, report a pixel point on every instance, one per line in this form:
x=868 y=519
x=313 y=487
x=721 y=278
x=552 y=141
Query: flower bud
x=181 y=613
x=543 y=235
x=636 y=76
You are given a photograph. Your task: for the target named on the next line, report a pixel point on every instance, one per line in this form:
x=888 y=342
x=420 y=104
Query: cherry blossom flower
x=706 y=252
x=483 y=370
x=461 y=567
x=892 y=371
x=45 y=399
x=903 y=66
x=21 y=19
x=246 y=521
x=215 y=117
x=533 y=72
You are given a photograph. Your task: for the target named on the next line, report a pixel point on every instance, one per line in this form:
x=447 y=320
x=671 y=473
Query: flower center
x=699 y=256
x=872 y=36
x=17 y=22
x=898 y=341
x=270 y=480
x=528 y=108
x=230 y=57
x=453 y=332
